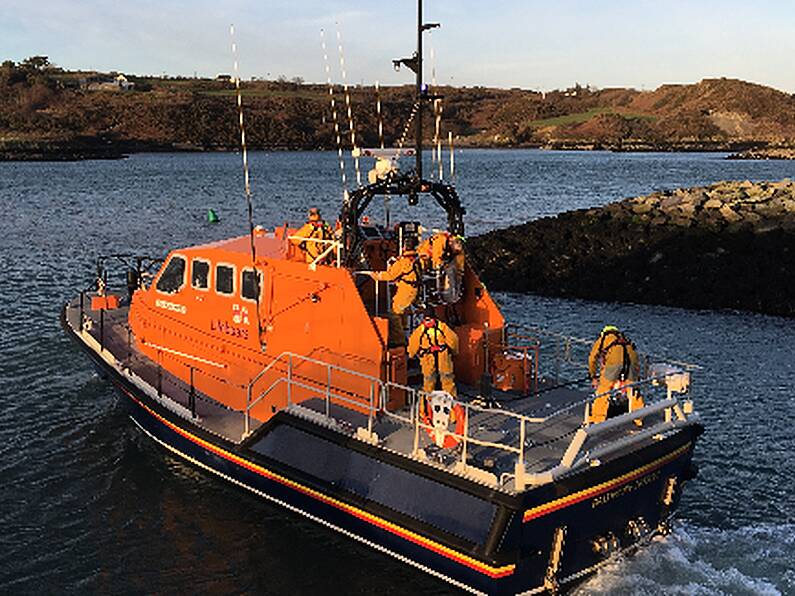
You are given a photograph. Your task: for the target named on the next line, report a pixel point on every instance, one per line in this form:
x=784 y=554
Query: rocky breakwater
x=765 y=153
x=726 y=246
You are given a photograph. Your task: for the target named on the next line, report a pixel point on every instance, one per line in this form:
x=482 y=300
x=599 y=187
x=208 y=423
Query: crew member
x=441 y=249
x=443 y=253
x=314 y=230
x=435 y=344
x=406 y=272
x=612 y=364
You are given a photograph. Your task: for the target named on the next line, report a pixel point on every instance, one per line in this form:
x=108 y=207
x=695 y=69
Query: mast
x=415 y=64
x=418 y=138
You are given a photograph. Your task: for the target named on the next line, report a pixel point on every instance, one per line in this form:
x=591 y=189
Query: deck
x=548 y=419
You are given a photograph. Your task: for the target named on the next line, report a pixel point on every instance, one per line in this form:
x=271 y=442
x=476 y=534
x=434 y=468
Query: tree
x=36 y=63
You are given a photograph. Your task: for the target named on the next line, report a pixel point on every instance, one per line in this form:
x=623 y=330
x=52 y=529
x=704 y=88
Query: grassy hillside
x=41 y=105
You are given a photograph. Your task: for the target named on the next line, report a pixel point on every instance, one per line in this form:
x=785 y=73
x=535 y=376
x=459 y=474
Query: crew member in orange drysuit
x=612 y=364
x=435 y=344
x=313 y=230
x=406 y=272
x=440 y=249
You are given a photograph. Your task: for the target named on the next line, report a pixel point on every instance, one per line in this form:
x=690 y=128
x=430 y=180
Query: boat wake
x=697 y=560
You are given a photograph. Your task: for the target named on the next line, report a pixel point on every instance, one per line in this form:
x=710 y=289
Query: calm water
x=88 y=505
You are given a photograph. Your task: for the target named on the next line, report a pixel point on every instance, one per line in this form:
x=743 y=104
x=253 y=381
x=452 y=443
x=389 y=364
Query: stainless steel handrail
x=670 y=405
x=334 y=245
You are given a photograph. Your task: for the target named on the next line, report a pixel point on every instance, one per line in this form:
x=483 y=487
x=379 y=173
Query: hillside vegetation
x=45 y=108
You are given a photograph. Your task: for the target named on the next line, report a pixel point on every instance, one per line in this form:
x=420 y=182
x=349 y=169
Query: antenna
x=418 y=138
x=246 y=181
x=381 y=143
x=380 y=116
x=436 y=151
x=334 y=116
x=437 y=104
x=452 y=155
x=348 y=106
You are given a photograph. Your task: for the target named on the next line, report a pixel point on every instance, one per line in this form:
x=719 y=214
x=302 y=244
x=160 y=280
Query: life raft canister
x=438 y=410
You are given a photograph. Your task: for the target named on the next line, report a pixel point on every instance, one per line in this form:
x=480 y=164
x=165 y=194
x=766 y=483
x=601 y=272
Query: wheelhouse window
x=200 y=274
x=173 y=276
x=251 y=285
x=224 y=279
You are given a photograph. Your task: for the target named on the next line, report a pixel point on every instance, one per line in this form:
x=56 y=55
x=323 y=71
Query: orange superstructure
x=202 y=316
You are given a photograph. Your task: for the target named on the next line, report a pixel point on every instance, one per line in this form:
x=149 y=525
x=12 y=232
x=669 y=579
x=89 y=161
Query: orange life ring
x=457 y=415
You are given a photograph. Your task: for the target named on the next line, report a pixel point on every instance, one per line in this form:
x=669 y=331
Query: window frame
x=234 y=279
x=163 y=270
x=261 y=281
x=209 y=274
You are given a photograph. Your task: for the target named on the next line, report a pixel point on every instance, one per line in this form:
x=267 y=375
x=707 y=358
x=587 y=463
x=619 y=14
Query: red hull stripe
x=493 y=572
x=602 y=488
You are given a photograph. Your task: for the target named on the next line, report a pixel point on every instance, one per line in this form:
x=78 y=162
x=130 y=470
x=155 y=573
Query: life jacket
x=436 y=340
x=412 y=277
x=438 y=247
x=621 y=341
x=319 y=231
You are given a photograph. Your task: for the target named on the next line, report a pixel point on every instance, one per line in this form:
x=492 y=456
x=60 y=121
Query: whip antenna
x=334 y=116
x=380 y=115
x=436 y=151
x=348 y=106
x=246 y=181
x=452 y=155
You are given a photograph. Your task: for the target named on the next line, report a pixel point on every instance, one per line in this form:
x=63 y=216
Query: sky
x=531 y=44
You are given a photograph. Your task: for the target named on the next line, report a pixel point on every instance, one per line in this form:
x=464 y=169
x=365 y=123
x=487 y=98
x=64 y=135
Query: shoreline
x=97 y=148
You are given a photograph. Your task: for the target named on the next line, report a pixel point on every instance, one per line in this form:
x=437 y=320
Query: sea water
x=90 y=505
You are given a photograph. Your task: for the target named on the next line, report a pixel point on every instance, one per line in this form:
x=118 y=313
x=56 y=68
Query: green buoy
x=212 y=216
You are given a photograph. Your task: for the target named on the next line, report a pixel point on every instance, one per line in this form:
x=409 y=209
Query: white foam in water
x=700 y=561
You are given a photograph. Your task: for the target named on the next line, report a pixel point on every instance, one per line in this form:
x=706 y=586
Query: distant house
x=224 y=77
x=123 y=83
x=118 y=83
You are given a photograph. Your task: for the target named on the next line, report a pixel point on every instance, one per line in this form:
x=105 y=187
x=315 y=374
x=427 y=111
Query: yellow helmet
x=609 y=328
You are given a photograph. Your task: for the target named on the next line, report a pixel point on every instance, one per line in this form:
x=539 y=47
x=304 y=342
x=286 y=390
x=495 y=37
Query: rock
x=642 y=208
x=713 y=203
x=672 y=201
x=730 y=214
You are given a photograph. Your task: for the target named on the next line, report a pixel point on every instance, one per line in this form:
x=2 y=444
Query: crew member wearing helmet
x=441 y=249
x=406 y=273
x=435 y=344
x=314 y=230
x=612 y=364
x=443 y=253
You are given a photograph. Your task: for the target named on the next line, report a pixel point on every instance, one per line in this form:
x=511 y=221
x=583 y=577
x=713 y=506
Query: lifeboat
x=275 y=372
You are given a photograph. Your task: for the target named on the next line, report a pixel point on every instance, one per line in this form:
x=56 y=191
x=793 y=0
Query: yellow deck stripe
x=562 y=502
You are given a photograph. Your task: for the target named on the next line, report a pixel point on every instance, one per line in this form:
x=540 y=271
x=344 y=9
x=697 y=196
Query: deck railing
x=664 y=387
x=332 y=246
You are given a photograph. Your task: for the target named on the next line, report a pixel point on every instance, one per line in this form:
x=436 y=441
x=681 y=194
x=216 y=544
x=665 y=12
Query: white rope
x=405 y=132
